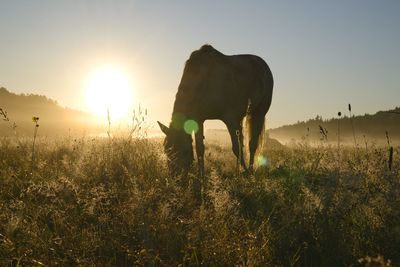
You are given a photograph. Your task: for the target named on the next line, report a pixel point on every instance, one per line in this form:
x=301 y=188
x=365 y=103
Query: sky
x=323 y=54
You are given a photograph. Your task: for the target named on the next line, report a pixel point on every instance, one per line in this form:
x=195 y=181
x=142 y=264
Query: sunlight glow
x=108 y=89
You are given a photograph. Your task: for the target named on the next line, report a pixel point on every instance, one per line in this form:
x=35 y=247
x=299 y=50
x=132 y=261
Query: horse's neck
x=185 y=104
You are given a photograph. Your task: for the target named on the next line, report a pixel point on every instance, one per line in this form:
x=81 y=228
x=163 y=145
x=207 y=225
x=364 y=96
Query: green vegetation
x=110 y=202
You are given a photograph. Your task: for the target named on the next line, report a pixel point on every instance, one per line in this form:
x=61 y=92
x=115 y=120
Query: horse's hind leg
x=256 y=130
x=236 y=133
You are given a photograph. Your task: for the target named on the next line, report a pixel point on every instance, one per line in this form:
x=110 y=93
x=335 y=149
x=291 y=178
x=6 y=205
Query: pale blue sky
x=323 y=54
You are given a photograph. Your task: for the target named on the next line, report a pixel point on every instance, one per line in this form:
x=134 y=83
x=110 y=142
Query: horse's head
x=178 y=147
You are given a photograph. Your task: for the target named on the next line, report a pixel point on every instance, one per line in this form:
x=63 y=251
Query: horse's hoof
x=248 y=172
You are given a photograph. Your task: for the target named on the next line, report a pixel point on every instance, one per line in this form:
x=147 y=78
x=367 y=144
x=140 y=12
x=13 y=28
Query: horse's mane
x=198 y=56
x=207 y=48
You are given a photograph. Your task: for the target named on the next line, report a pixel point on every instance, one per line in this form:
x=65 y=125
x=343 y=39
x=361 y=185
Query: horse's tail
x=261 y=139
x=249 y=122
x=258 y=105
x=246 y=124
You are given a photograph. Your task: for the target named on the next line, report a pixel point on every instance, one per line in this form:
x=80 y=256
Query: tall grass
x=91 y=202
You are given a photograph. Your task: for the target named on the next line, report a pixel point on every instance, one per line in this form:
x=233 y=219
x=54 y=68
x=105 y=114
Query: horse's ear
x=163 y=128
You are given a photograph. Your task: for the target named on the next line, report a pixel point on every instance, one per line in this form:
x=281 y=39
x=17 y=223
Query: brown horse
x=217 y=86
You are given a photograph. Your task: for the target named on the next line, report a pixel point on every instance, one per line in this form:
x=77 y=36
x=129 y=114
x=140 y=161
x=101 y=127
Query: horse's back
x=254 y=77
x=214 y=85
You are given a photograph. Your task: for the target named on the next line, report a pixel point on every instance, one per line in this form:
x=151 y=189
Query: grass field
x=110 y=202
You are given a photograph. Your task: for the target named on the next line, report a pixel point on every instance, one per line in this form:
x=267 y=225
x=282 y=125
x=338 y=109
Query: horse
x=215 y=86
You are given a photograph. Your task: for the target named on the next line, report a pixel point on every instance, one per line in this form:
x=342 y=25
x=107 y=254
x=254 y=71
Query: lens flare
x=191 y=126
x=262 y=161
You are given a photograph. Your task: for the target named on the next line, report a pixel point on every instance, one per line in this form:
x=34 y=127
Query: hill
x=53 y=119
x=366 y=127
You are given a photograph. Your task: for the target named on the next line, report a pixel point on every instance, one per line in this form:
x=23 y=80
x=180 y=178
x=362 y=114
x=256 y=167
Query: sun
x=109 y=91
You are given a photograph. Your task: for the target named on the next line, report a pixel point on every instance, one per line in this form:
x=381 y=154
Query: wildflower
x=36 y=121
x=3 y=113
x=323 y=132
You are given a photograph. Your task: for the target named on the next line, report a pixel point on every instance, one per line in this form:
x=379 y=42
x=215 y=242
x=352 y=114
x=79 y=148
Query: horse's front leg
x=197 y=182
x=235 y=131
x=199 y=136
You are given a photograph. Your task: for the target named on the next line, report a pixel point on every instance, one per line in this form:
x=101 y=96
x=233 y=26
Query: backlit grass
x=110 y=202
